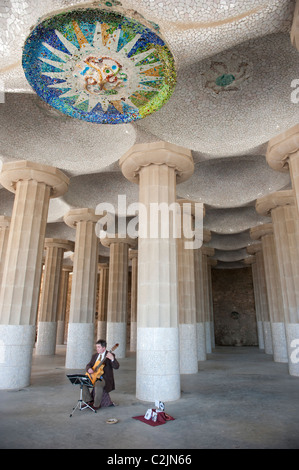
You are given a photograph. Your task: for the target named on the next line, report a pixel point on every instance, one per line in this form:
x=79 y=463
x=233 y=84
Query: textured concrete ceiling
x=226 y=127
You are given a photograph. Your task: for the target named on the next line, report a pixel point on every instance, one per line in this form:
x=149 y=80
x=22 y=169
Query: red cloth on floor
x=162 y=418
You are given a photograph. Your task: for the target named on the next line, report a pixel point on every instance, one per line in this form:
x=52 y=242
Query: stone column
x=62 y=300
x=80 y=337
x=251 y=260
x=47 y=322
x=207 y=251
x=186 y=294
x=199 y=299
x=133 y=255
x=103 y=300
x=282 y=207
x=118 y=291
x=211 y=262
x=157 y=168
x=273 y=285
x=295 y=27
x=283 y=155
x=4 y=232
x=257 y=249
x=33 y=185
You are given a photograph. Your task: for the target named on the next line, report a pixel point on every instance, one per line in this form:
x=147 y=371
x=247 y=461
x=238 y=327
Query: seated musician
x=103 y=386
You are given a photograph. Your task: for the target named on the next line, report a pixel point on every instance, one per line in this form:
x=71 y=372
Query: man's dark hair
x=102 y=342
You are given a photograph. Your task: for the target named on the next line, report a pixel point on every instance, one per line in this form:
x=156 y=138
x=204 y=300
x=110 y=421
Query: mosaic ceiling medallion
x=99 y=65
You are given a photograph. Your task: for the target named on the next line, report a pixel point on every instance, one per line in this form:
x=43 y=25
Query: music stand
x=79 y=379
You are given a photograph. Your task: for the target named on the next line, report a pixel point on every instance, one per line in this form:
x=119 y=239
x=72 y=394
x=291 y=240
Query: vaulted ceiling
x=226 y=124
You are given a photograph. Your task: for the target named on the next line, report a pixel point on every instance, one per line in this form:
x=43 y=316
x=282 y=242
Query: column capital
x=157 y=153
x=254 y=248
x=103 y=266
x=295 y=27
x=249 y=260
x=207 y=250
x=4 y=221
x=206 y=235
x=256 y=233
x=108 y=240
x=266 y=204
x=67 y=268
x=212 y=262
x=281 y=148
x=133 y=253
x=12 y=172
x=74 y=216
x=67 y=245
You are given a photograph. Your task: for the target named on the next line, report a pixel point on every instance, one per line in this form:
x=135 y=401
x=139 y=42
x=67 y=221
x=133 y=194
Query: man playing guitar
x=102 y=377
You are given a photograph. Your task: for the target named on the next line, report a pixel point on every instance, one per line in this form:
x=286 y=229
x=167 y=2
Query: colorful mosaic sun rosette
x=99 y=66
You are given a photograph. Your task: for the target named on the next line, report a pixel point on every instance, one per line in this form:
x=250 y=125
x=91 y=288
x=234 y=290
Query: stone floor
x=239 y=399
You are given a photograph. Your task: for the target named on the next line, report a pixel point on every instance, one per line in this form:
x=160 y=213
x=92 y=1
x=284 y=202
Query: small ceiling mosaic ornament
x=227 y=74
x=100 y=64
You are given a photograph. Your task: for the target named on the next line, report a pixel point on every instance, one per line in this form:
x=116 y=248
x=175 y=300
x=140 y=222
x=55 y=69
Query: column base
x=212 y=334
x=260 y=334
x=16 y=346
x=79 y=345
x=292 y=334
x=46 y=338
x=201 y=342
x=60 y=332
x=280 y=353
x=157 y=365
x=208 y=337
x=188 y=349
x=268 y=337
x=117 y=333
x=133 y=336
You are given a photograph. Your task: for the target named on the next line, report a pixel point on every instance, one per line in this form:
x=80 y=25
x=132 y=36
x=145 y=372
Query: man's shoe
x=95 y=408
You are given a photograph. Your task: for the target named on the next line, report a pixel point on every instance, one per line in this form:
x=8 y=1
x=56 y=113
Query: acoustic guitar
x=98 y=368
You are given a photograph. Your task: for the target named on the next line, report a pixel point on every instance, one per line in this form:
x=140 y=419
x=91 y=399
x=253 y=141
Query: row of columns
x=34 y=185
x=275 y=260
x=167 y=326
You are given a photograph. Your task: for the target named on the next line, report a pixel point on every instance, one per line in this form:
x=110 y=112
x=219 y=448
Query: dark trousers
x=97 y=393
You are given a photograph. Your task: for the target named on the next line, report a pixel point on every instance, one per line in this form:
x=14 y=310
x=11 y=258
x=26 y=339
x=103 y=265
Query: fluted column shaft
x=33 y=185
x=295 y=27
x=207 y=251
x=259 y=320
x=117 y=305
x=157 y=167
x=4 y=232
x=274 y=290
x=275 y=299
x=200 y=305
x=103 y=300
x=133 y=255
x=211 y=262
x=47 y=324
x=62 y=301
x=186 y=298
x=286 y=230
x=83 y=296
x=264 y=302
x=157 y=317
x=282 y=207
